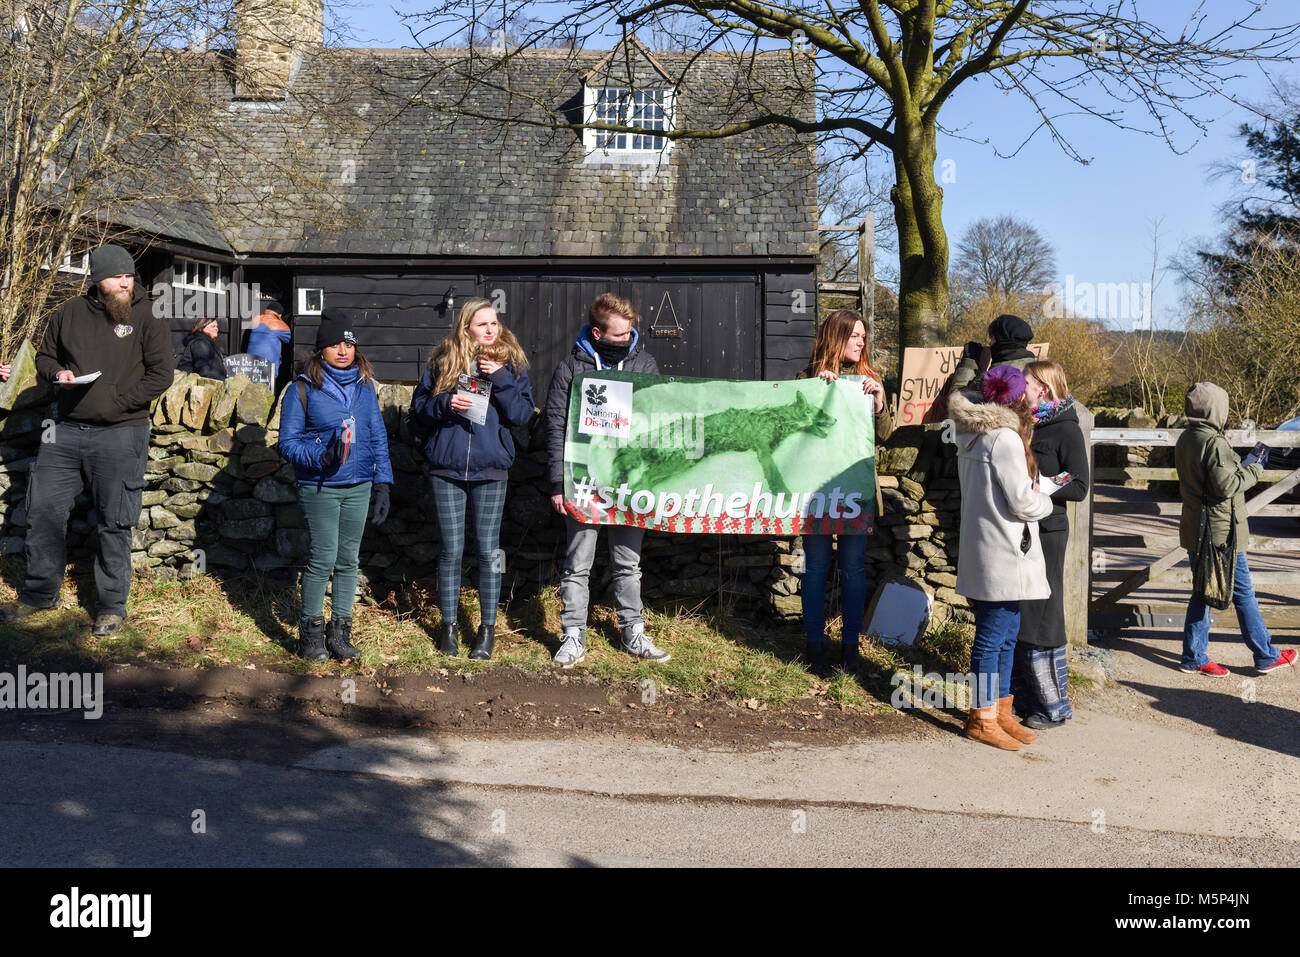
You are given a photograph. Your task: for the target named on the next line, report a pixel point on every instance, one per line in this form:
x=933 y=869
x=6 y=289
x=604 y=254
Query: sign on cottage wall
x=257 y=369
x=925 y=373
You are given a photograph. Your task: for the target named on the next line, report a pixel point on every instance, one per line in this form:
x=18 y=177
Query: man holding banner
x=608 y=341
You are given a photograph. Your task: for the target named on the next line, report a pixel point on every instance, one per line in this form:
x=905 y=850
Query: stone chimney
x=271 y=37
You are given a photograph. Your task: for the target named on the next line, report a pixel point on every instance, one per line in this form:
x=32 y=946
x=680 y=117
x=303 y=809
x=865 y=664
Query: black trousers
x=112 y=460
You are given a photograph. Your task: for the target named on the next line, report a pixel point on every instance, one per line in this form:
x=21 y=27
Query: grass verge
x=251 y=621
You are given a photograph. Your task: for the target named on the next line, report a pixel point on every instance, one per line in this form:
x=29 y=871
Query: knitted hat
x=334 y=328
x=1009 y=328
x=1003 y=385
x=109 y=261
x=272 y=305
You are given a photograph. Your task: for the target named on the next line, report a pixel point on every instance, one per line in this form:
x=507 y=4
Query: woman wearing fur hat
x=1000 y=560
x=1038 y=675
x=332 y=431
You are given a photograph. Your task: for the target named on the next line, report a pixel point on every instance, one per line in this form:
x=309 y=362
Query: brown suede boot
x=982 y=725
x=1008 y=723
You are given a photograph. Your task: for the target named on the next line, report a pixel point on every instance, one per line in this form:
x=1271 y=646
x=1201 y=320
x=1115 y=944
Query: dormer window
x=649 y=109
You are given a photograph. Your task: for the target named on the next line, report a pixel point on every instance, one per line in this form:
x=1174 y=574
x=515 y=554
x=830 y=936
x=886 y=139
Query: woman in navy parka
x=469 y=462
x=332 y=431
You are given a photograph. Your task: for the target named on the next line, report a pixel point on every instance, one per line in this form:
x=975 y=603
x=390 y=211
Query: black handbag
x=1214 y=566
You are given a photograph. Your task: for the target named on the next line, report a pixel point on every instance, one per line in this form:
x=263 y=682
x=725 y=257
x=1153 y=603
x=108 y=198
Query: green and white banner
x=715 y=455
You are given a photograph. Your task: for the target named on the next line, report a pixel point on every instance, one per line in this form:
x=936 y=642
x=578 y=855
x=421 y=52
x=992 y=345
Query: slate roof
x=411 y=158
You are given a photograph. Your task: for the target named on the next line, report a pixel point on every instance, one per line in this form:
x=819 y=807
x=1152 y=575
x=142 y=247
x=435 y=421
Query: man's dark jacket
x=581 y=359
x=135 y=359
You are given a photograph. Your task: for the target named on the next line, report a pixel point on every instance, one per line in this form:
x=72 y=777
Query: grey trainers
x=636 y=643
x=572 y=650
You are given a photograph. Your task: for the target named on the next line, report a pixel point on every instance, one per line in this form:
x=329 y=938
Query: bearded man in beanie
x=101 y=432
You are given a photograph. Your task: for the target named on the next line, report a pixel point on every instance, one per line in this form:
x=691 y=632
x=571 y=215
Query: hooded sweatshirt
x=583 y=358
x=1209 y=470
x=998 y=506
x=134 y=359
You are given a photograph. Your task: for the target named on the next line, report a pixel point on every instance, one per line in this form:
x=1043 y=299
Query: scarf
x=1043 y=411
x=340 y=383
x=611 y=353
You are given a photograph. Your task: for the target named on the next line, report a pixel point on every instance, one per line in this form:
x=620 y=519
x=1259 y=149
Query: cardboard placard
x=925 y=377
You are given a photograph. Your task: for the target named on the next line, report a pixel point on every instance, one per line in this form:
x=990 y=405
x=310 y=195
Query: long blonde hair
x=455 y=353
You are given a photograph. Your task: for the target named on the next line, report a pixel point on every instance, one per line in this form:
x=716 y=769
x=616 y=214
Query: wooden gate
x=1109 y=609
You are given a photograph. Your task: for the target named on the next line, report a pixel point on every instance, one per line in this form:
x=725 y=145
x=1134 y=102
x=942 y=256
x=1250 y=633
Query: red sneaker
x=1210 y=670
x=1285 y=660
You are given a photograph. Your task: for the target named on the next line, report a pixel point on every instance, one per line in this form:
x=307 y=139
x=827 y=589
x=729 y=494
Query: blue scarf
x=340 y=383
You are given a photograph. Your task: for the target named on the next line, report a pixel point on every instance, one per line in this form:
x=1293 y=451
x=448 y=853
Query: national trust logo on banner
x=606 y=408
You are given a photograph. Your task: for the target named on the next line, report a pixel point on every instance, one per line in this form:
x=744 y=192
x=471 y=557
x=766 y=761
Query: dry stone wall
x=219 y=498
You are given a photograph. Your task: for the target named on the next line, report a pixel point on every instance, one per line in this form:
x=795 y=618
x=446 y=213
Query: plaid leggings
x=488 y=499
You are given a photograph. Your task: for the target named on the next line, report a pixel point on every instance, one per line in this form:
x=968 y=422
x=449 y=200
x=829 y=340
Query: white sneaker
x=636 y=642
x=573 y=650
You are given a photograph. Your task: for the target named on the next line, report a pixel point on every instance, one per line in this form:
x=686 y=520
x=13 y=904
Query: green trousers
x=336 y=519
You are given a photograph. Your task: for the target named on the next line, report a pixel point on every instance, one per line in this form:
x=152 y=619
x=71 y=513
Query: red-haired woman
x=840 y=349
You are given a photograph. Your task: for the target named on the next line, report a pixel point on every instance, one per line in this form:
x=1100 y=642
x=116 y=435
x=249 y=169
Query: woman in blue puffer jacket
x=469 y=460
x=332 y=432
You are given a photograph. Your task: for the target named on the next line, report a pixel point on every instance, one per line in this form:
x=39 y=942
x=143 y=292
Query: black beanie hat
x=107 y=261
x=334 y=328
x=1009 y=328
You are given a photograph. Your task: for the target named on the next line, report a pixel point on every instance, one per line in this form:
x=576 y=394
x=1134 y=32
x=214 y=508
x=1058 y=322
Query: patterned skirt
x=1038 y=682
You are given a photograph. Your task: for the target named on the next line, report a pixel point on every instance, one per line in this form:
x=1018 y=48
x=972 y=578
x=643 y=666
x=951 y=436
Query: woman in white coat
x=1000 y=560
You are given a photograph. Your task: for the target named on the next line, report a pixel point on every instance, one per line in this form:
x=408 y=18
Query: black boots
x=483 y=643
x=311 y=638
x=337 y=639
x=815 y=655
x=850 y=662
x=448 y=639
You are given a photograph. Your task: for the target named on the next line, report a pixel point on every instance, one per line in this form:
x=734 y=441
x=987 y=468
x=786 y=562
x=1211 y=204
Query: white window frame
x=80 y=268
x=303 y=310
x=597 y=143
x=198 y=275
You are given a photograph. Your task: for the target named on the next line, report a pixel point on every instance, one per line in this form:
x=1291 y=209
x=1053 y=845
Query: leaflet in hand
x=1050 y=485
x=478 y=392
x=88 y=377
x=1258 y=454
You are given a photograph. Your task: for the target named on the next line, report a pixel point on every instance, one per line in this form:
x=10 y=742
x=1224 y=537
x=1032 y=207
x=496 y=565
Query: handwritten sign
x=257 y=369
x=925 y=375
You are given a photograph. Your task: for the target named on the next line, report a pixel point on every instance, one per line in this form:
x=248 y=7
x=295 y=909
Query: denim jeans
x=488 y=500
x=852 y=554
x=997 y=624
x=1196 y=627
x=624 y=554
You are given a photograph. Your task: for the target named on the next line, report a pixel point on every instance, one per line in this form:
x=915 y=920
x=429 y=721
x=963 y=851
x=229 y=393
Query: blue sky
x=1097 y=216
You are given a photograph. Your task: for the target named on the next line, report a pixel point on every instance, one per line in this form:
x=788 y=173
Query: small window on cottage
x=649 y=109
x=76 y=263
x=200 y=276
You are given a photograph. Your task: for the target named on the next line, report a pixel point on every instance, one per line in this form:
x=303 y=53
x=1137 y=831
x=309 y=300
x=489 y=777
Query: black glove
x=972 y=350
x=333 y=454
x=380 y=514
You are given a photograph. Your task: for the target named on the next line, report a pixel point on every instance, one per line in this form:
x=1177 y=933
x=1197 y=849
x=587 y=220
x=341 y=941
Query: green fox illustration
x=759 y=431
